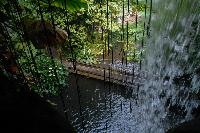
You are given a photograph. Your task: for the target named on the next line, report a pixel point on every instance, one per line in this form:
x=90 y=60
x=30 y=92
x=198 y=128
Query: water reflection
x=107 y=107
x=104 y=106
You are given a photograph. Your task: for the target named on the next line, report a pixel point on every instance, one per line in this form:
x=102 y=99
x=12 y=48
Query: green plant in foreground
x=46 y=77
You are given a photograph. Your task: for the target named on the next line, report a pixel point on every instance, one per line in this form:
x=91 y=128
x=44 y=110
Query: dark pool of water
x=103 y=107
x=95 y=106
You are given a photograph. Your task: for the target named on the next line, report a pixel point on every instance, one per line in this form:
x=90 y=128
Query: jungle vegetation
x=41 y=34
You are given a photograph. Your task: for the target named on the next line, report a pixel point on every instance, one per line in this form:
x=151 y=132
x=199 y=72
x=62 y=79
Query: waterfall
x=172 y=63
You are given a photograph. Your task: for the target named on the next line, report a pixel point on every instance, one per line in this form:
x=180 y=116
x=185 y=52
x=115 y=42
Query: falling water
x=172 y=63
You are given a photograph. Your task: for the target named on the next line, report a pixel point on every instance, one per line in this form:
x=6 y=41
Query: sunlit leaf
x=71 y=5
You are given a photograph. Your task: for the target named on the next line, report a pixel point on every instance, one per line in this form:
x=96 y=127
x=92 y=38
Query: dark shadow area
x=192 y=126
x=23 y=111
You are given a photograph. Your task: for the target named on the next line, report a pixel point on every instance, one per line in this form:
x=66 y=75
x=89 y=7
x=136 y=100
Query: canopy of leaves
x=71 y=5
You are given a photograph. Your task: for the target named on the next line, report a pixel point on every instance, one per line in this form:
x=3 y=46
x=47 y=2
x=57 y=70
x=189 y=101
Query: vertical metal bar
x=52 y=18
x=111 y=37
x=109 y=72
x=109 y=89
x=105 y=42
x=50 y=51
x=133 y=73
x=28 y=59
x=135 y=45
x=140 y=61
x=102 y=33
x=123 y=21
x=127 y=39
x=93 y=30
x=121 y=105
x=137 y=93
x=136 y=19
x=128 y=6
x=48 y=45
x=101 y=20
x=69 y=34
x=104 y=53
x=143 y=34
x=61 y=92
x=79 y=101
x=136 y=24
x=107 y=13
x=29 y=47
x=111 y=106
x=122 y=56
x=108 y=43
x=107 y=16
x=149 y=23
x=104 y=73
x=127 y=43
x=112 y=57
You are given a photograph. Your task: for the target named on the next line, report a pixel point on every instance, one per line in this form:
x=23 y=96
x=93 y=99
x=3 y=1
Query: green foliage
x=86 y=19
x=44 y=75
x=89 y=29
x=48 y=72
x=71 y=5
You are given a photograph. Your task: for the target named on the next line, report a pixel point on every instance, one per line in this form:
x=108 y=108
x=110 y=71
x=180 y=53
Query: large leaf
x=71 y=5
